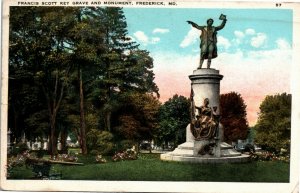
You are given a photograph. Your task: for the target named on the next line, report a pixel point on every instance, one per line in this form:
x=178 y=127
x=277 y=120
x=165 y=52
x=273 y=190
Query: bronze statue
x=205 y=126
x=208 y=39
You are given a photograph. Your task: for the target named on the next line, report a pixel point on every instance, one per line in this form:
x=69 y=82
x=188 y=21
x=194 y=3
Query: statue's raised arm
x=208 y=39
x=224 y=20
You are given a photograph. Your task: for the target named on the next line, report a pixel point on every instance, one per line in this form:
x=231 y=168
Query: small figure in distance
x=208 y=39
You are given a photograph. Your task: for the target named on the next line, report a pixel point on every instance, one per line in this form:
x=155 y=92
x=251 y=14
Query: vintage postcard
x=150 y=96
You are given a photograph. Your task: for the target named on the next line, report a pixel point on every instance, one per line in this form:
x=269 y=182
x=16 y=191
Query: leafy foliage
x=99 y=142
x=137 y=117
x=70 y=68
x=233 y=116
x=273 y=128
x=173 y=119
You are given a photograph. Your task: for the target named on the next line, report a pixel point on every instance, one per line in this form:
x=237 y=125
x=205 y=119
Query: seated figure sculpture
x=206 y=124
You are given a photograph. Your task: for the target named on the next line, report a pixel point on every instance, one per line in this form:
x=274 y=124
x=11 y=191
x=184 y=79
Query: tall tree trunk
x=82 y=117
x=53 y=138
x=75 y=130
x=63 y=140
x=107 y=120
x=49 y=146
x=53 y=100
x=108 y=113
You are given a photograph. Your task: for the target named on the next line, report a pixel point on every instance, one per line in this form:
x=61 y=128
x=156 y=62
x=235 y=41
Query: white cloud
x=144 y=39
x=239 y=37
x=141 y=37
x=190 y=38
x=223 y=42
x=154 y=40
x=239 y=34
x=283 y=44
x=259 y=40
x=160 y=30
x=250 y=31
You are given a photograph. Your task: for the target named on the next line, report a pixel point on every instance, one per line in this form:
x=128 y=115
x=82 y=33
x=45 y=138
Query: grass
x=149 y=168
x=73 y=150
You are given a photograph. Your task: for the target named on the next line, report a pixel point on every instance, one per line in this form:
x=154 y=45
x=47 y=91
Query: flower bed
x=268 y=156
x=125 y=155
x=65 y=157
x=100 y=159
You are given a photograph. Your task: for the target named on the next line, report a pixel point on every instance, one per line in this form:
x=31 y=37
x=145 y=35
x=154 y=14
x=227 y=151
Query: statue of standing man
x=208 y=39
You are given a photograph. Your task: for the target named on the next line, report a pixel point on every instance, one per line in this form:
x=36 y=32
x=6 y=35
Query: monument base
x=204 y=159
x=222 y=153
x=192 y=151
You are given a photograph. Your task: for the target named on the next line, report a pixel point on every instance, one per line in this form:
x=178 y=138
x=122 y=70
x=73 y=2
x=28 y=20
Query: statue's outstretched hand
x=222 y=17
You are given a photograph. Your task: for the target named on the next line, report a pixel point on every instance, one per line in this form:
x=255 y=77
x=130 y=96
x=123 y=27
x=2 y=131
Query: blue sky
x=271 y=24
x=254 y=49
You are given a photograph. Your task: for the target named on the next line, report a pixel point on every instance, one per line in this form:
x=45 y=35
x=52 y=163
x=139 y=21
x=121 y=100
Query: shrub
x=99 y=142
x=17 y=161
x=126 y=144
x=19 y=148
x=41 y=153
x=94 y=152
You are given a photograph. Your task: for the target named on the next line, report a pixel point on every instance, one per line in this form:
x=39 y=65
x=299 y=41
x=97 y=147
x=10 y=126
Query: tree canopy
x=233 y=116
x=174 y=116
x=64 y=61
x=273 y=128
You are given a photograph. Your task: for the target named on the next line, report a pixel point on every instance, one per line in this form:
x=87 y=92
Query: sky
x=254 y=50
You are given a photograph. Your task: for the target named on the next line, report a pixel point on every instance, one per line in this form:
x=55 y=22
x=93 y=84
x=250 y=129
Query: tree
x=39 y=44
x=26 y=111
x=273 y=128
x=64 y=61
x=233 y=116
x=174 y=116
x=122 y=67
x=137 y=117
x=87 y=42
x=25 y=52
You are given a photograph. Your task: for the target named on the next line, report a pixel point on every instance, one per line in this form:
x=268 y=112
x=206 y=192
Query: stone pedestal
x=205 y=84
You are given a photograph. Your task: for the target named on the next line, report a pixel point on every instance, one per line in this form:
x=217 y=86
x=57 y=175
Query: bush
x=17 y=161
x=41 y=153
x=94 y=152
x=126 y=144
x=99 y=142
x=19 y=148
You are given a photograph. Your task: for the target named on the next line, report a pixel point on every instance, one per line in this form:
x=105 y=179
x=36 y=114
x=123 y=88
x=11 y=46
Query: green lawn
x=149 y=168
